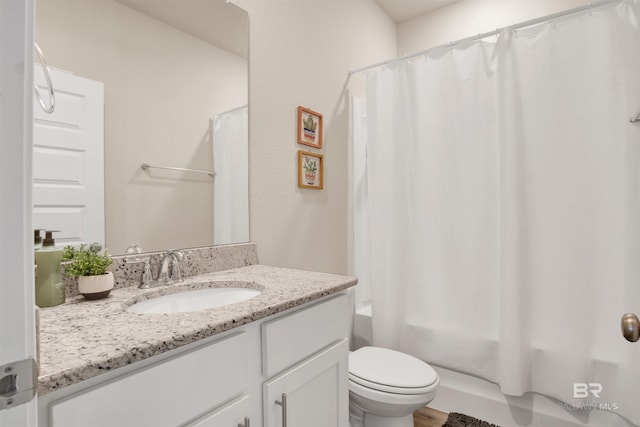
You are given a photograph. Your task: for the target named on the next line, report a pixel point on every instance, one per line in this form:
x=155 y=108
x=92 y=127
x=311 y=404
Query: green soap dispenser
x=49 y=285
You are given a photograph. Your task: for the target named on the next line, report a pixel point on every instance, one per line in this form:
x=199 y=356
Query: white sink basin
x=195 y=300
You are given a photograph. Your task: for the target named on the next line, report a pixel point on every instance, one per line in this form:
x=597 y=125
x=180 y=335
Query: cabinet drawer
x=168 y=393
x=230 y=415
x=291 y=338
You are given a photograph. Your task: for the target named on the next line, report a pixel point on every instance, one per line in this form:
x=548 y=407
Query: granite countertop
x=82 y=339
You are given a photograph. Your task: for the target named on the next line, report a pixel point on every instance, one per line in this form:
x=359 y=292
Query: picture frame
x=309 y=127
x=310 y=170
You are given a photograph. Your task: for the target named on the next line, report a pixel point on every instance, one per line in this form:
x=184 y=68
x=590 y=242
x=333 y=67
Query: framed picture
x=310 y=170
x=309 y=128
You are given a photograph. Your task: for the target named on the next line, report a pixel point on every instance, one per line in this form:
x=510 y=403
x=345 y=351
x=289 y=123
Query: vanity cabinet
x=299 y=356
x=168 y=393
x=307 y=350
x=314 y=393
x=234 y=414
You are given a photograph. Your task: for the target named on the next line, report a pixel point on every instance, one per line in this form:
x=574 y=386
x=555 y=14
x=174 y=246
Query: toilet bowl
x=387 y=386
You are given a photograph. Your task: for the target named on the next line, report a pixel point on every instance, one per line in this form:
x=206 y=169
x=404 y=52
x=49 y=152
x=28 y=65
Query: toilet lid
x=386 y=370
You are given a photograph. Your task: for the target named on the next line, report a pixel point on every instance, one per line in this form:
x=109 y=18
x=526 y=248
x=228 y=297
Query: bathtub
x=482 y=399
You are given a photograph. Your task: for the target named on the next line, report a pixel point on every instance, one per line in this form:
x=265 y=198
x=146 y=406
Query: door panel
x=68 y=160
x=316 y=390
x=17 y=323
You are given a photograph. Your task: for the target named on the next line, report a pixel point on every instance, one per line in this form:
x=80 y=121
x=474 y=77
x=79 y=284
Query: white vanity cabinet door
x=317 y=391
x=169 y=393
x=230 y=415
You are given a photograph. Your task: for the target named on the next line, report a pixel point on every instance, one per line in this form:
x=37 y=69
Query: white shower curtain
x=231 y=186
x=503 y=184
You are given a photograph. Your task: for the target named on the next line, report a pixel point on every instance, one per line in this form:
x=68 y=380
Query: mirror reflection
x=160 y=82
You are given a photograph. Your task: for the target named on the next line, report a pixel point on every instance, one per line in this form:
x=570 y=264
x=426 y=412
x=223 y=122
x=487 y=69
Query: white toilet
x=387 y=386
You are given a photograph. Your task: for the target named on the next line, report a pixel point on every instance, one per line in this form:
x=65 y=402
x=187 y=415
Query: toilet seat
x=384 y=398
x=391 y=372
x=389 y=389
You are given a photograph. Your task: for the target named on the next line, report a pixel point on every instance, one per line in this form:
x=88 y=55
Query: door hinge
x=18 y=383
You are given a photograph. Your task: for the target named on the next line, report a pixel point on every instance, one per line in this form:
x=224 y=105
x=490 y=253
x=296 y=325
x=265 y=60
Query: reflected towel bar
x=146 y=166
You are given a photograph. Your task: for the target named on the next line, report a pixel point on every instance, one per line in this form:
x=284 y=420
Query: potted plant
x=94 y=281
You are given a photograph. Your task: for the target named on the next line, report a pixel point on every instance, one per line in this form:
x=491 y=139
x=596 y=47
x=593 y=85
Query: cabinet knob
x=283 y=403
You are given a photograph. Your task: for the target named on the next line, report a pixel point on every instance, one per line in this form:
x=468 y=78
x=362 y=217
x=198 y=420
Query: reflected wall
x=162 y=87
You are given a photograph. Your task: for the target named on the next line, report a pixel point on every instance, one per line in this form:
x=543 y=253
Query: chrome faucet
x=176 y=271
x=147 y=278
x=163 y=272
x=168 y=275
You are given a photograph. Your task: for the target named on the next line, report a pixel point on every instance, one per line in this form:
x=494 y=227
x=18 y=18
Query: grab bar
x=146 y=166
x=52 y=97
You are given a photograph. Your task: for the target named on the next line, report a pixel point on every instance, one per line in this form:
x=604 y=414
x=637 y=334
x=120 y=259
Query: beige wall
x=300 y=53
x=470 y=17
x=161 y=88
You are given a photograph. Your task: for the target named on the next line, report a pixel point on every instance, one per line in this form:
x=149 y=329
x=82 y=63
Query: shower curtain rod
x=588 y=6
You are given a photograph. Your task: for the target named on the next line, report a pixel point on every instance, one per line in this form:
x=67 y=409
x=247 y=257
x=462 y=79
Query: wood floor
x=428 y=417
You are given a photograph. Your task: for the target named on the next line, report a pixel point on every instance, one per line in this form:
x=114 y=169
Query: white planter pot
x=95 y=287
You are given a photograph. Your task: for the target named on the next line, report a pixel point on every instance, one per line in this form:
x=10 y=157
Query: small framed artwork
x=309 y=127
x=310 y=170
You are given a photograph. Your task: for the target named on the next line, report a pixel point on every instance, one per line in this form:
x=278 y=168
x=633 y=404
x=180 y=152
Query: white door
x=17 y=340
x=316 y=392
x=68 y=160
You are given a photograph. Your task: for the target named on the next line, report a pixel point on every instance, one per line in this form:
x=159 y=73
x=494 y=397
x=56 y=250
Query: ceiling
x=225 y=25
x=401 y=10
x=215 y=21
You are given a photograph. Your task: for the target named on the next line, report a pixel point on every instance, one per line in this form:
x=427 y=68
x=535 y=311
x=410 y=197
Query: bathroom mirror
x=169 y=68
